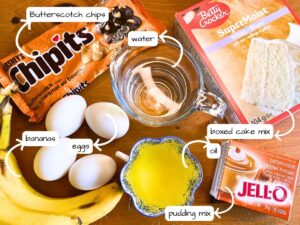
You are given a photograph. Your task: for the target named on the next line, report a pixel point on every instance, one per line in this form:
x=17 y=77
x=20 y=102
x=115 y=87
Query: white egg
x=97 y=117
x=52 y=163
x=66 y=115
x=92 y=171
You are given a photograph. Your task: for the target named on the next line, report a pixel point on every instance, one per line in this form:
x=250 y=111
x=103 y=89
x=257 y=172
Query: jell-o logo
x=213 y=15
x=263 y=191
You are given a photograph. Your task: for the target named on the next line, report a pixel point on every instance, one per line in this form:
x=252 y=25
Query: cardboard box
x=261 y=181
x=249 y=52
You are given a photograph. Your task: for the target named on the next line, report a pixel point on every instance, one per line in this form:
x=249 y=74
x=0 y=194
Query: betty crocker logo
x=213 y=15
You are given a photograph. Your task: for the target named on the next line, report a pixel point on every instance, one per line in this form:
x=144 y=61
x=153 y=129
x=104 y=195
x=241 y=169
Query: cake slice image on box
x=272 y=75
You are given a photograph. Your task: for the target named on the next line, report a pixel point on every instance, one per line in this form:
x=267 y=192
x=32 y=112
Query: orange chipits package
x=71 y=56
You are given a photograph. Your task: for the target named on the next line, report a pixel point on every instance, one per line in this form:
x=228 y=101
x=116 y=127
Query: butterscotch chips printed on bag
x=72 y=56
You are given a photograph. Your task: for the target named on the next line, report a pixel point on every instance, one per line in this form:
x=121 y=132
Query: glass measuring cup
x=154 y=92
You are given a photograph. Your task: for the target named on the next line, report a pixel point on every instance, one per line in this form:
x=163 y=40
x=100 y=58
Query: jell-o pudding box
x=259 y=180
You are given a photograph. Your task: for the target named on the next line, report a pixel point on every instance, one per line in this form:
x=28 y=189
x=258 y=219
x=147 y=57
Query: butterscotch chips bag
x=71 y=56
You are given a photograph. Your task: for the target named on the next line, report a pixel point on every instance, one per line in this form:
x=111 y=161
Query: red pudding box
x=249 y=52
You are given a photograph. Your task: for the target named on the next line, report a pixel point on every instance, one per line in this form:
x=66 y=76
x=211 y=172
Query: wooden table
x=190 y=129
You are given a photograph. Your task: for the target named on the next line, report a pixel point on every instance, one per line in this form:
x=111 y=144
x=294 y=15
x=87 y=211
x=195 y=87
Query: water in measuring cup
x=155 y=89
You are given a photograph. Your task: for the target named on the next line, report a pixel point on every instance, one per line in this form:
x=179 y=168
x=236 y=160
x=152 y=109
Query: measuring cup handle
x=210 y=103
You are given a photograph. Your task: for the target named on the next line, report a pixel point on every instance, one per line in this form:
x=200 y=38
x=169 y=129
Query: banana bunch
x=20 y=204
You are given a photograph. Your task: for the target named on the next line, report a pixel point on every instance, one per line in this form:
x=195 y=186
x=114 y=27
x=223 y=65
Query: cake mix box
x=250 y=54
x=259 y=180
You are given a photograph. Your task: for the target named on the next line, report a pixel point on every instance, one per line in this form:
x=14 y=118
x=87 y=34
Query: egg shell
x=52 y=163
x=66 y=115
x=97 y=119
x=92 y=171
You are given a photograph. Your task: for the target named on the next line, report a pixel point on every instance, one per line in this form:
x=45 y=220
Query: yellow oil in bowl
x=156 y=178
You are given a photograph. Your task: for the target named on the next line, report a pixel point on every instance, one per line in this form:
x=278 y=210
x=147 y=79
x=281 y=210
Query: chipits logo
x=263 y=191
x=213 y=15
x=27 y=74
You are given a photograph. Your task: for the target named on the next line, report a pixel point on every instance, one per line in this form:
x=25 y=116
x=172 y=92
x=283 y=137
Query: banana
x=16 y=192
x=5 y=118
x=5 y=114
x=12 y=214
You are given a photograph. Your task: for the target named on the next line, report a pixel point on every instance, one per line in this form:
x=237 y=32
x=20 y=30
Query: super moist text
x=244 y=21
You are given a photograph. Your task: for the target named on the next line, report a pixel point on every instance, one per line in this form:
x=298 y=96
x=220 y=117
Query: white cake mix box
x=250 y=54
